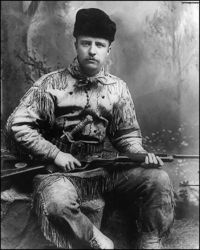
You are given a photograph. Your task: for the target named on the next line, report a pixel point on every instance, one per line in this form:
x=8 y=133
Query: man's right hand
x=66 y=162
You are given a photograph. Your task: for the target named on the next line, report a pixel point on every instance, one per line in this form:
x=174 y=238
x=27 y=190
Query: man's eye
x=99 y=45
x=85 y=43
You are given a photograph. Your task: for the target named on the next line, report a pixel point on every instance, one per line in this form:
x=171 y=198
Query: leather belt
x=78 y=147
x=82 y=148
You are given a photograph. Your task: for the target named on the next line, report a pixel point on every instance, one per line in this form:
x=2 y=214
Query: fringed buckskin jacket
x=60 y=100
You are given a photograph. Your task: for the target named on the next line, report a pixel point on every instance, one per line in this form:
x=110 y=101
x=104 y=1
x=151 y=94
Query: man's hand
x=153 y=161
x=66 y=162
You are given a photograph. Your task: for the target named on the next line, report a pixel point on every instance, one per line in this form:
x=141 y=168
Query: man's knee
x=152 y=175
x=59 y=207
x=159 y=179
x=63 y=199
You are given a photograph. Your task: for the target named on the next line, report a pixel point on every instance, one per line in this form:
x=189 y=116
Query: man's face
x=92 y=53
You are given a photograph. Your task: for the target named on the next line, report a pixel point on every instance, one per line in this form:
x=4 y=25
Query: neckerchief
x=76 y=72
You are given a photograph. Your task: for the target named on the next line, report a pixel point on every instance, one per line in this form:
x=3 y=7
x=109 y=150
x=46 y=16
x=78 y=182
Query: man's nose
x=92 y=50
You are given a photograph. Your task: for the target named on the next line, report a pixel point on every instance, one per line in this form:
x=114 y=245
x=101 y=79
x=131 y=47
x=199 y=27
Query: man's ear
x=109 y=49
x=75 y=44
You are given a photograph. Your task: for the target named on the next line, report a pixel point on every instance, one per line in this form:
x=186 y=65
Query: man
x=65 y=118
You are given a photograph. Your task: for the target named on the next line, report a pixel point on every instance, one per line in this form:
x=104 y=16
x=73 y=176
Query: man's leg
x=57 y=205
x=151 y=192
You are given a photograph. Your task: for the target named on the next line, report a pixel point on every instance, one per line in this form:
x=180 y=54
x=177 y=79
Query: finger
x=63 y=168
x=155 y=161
x=161 y=163
x=72 y=165
x=147 y=160
x=77 y=162
x=67 y=167
x=150 y=158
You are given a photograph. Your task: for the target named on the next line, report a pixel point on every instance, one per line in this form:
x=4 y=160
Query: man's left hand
x=153 y=161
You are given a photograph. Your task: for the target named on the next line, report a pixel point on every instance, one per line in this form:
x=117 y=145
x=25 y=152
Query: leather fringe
x=173 y=204
x=50 y=232
x=92 y=188
x=40 y=100
x=43 y=103
x=88 y=186
x=162 y=232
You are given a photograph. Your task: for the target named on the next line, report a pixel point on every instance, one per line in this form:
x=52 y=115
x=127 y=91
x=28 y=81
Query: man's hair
x=95 y=23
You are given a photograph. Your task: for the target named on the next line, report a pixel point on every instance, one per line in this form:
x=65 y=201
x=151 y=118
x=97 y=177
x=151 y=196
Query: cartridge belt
x=78 y=147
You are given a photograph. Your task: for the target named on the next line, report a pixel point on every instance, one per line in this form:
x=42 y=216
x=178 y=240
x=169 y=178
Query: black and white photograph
x=99 y=124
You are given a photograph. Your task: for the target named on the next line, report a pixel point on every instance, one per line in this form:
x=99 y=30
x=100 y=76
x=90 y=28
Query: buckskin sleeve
x=124 y=131
x=23 y=125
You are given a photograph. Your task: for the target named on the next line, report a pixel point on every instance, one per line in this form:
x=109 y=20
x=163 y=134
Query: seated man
x=65 y=117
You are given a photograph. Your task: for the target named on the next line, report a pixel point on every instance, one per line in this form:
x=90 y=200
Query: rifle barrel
x=13 y=172
x=186 y=156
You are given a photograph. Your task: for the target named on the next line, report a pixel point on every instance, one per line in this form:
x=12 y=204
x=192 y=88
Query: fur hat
x=94 y=22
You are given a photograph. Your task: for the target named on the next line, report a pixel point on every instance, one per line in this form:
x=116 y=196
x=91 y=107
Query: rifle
x=109 y=164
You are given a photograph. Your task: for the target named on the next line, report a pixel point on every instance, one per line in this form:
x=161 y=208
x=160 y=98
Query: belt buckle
x=77 y=148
